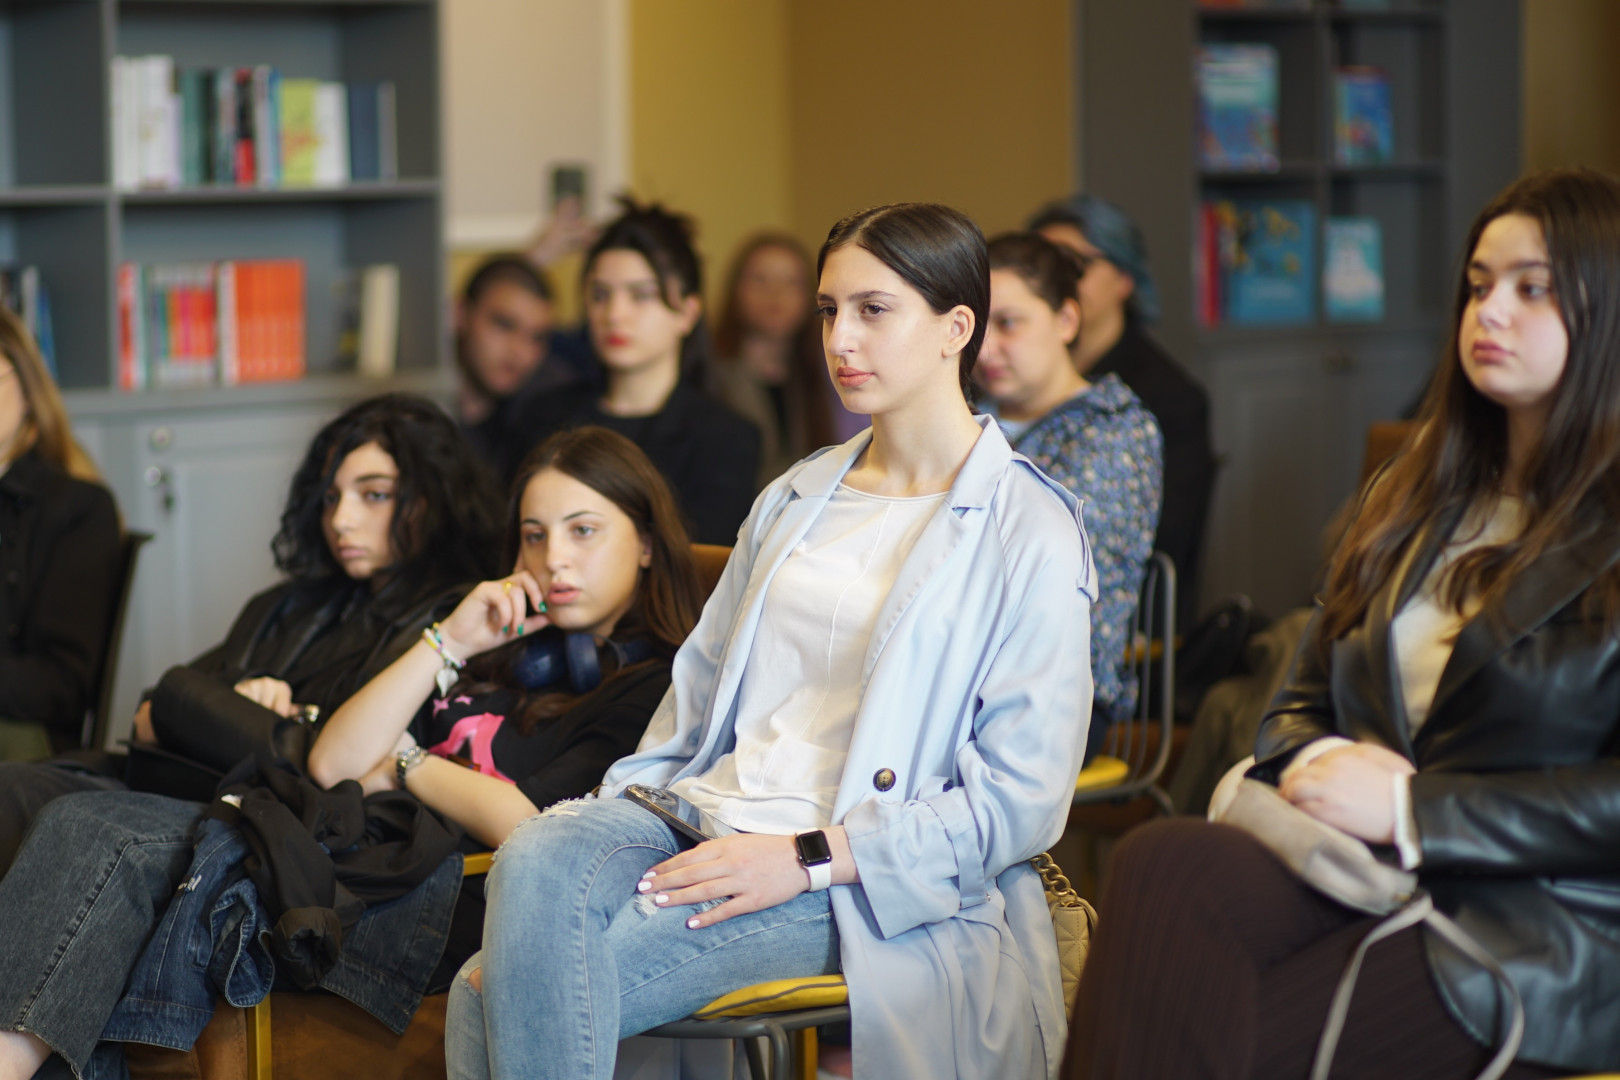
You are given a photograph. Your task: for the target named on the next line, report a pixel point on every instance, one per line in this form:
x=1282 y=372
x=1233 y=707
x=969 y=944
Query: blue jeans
x=574 y=959
x=78 y=906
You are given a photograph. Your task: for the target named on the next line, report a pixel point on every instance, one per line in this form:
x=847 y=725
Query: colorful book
x=331 y=134
x=1363 y=125
x=196 y=126
x=1237 y=107
x=299 y=139
x=1268 y=261
x=261 y=320
x=244 y=163
x=131 y=329
x=1353 y=269
x=224 y=140
x=23 y=292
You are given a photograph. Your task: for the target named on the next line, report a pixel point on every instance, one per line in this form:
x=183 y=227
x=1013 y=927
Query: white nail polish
x=649 y=875
x=661 y=898
x=643 y=886
x=692 y=923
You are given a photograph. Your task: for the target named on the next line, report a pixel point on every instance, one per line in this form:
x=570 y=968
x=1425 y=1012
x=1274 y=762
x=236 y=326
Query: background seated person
x=59 y=557
x=643 y=291
x=1456 y=698
x=769 y=366
x=1094 y=438
x=363 y=577
x=599 y=551
x=503 y=324
x=1118 y=302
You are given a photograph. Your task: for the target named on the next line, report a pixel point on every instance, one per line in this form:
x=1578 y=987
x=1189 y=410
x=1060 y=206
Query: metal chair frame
x=97 y=721
x=1154 y=624
x=773 y=1029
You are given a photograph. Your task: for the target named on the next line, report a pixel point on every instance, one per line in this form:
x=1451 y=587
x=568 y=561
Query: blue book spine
x=365 y=158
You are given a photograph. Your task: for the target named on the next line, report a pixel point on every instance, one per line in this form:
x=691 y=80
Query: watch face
x=813 y=848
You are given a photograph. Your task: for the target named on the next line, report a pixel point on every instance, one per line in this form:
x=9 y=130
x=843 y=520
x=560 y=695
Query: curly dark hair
x=447 y=519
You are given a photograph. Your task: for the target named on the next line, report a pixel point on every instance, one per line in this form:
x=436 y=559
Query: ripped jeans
x=574 y=959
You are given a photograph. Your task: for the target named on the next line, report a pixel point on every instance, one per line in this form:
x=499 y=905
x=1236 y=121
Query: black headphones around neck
x=548 y=658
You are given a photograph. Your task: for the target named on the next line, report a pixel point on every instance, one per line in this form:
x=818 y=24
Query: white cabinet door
x=210 y=490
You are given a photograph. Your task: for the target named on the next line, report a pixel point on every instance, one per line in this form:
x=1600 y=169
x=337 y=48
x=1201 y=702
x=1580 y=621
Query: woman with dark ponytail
x=643 y=289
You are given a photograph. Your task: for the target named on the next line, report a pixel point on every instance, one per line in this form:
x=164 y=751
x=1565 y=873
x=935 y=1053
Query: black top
x=560 y=758
x=708 y=453
x=1181 y=407
x=60 y=556
x=1517 y=792
x=326 y=638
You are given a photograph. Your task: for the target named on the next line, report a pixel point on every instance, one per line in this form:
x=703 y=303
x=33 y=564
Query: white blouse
x=797 y=702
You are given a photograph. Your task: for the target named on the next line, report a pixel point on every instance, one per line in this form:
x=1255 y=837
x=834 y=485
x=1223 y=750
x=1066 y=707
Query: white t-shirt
x=798 y=698
x=1425 y=630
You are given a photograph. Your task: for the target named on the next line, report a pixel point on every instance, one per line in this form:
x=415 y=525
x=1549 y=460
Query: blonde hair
x=45 y=424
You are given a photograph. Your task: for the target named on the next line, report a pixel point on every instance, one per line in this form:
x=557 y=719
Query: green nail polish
x=506 y=629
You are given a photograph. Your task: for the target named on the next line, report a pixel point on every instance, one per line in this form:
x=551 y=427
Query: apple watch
x=815 y=855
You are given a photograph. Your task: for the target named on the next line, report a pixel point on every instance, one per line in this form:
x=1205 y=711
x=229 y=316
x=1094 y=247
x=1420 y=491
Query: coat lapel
x=1382 y=667
x=974 y=485
x=1556 y=579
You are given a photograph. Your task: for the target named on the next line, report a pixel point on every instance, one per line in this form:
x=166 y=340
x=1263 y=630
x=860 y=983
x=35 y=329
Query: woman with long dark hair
x=768 y=361
x=879 y=717
x=643 y=290
x=573 y=651
x=1456 y=699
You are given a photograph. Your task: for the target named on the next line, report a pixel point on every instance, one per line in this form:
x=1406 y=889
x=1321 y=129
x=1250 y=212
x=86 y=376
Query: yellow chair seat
x=1103 y=772
x=476 y=863
x=778 y=995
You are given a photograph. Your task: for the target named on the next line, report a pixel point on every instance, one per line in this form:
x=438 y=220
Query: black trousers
x=25 y=788
x=1213 y=960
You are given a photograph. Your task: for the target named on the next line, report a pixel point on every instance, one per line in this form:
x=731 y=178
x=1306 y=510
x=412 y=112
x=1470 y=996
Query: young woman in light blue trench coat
x=971 y=704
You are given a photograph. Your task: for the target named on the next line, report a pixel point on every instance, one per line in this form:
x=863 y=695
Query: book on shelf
x=1363 y=123
x=1237 y=107
x=1353 y=269
x=201 y=323
x=24 y=294
x=369 y=302
x=1260 y=256
x=246 y=127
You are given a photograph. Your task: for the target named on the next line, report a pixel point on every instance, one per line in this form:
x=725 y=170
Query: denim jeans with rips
x=575 y=959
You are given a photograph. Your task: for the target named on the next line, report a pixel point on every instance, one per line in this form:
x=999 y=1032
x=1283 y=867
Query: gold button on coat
x=883 y=779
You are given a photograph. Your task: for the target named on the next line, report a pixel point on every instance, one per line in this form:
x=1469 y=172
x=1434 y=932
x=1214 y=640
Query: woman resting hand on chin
x=596 y=538
x=883 y=707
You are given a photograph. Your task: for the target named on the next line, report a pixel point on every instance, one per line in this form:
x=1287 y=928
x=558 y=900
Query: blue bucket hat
x=1113 y=234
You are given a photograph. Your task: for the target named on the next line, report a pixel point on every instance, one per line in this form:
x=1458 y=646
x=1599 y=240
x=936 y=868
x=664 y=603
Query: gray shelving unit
x=60 y=211
x=1291 y=404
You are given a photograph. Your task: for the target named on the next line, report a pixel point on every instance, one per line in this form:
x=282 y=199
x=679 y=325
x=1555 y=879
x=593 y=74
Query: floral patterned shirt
x=1106 y=448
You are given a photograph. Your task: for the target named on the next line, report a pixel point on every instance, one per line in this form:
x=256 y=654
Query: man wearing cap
x=1118 y=300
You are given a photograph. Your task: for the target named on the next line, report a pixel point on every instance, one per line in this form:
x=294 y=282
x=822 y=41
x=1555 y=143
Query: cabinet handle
x=158 y=479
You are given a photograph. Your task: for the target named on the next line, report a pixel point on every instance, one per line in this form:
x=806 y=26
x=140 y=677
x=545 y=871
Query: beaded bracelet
x=446 y=678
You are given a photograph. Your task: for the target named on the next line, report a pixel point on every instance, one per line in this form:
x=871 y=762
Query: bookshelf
x=206 y=469
x=60 y=210
x=1291 y=403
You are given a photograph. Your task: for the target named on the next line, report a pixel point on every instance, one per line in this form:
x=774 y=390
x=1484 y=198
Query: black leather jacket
x=1517 y=794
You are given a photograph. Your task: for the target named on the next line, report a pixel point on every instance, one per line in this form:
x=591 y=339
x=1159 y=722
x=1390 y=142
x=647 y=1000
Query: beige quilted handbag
x=1074 y=920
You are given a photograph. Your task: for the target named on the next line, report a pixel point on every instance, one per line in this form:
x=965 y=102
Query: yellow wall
x=1571 y=84
x=953 y=101
x=792 y=113
x=709 y=116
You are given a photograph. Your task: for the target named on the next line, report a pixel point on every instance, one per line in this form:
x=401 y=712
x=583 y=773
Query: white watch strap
x=820 y=876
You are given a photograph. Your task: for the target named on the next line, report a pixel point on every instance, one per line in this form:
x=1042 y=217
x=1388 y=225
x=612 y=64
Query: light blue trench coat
x=977 y=696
